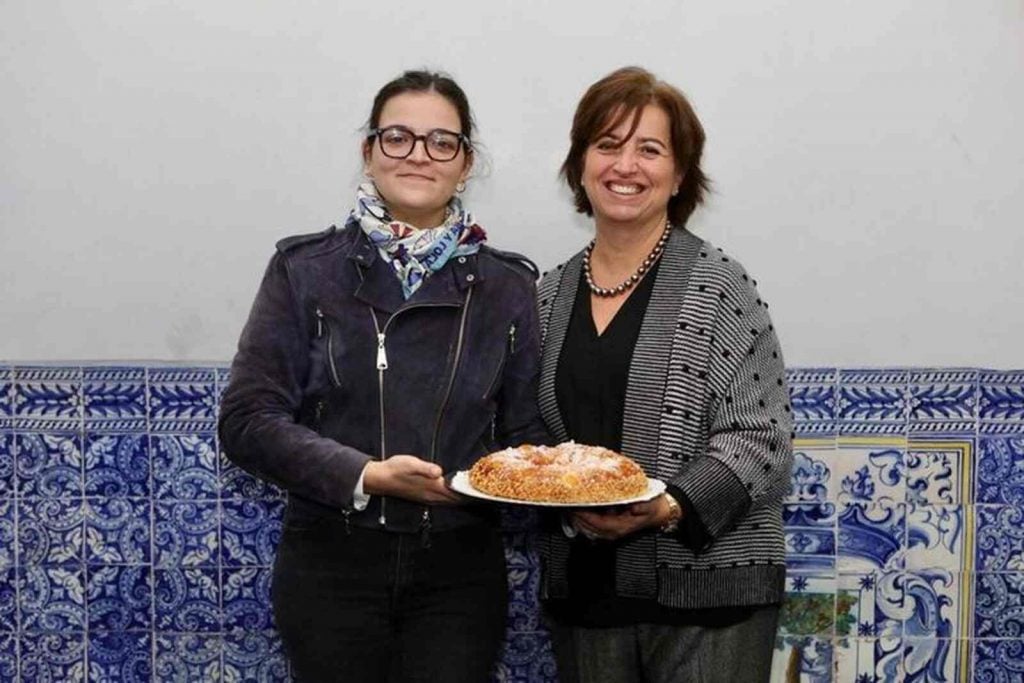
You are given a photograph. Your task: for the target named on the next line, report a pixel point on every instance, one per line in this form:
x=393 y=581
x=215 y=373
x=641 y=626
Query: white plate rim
x=460 y=484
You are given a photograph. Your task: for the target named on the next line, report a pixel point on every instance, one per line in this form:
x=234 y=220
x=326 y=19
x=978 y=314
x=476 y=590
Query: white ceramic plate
x=460 y=484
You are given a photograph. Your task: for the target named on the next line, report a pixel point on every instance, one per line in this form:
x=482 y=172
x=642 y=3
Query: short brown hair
x=623 y=94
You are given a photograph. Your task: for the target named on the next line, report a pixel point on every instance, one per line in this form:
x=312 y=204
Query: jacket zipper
x=425 y=523
x=382 y=365
x=510 y=348
x=322 y=323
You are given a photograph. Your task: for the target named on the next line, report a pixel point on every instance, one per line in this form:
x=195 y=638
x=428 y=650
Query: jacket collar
x=381 y=289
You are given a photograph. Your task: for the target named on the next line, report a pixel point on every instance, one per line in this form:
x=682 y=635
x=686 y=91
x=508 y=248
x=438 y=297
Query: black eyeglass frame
x=464 y=142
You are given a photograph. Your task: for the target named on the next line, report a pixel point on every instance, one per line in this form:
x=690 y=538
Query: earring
x=675 y=191
x=460 y=187
x=367 y=174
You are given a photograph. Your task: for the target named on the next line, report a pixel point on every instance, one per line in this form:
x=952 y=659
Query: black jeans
x=375 y=606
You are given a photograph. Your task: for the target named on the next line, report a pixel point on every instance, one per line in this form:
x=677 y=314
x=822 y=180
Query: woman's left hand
x=613 y=524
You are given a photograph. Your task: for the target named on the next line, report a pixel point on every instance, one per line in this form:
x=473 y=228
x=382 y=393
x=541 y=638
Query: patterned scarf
x=415 y=253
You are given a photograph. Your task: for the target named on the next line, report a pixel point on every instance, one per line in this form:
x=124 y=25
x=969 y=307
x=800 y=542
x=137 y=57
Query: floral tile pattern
x=1001 y=396
x=999 y=538
x=185 y=534
x=946 y=395
x=250 y=530
x=49 y=464
x=254 y=656
x=873 y=395
x=114 y=398
x=6 y=389
x=187 y=657
x=868 y=659
x=119 y=598
x=872 y=605
x=1000 y=470
x=132 y=549
x=936 y=659
x=938 y=471
x=999 y=660
x=6 y=464
x=999 y=605
x=117 y=531
x=187 y=600
x=184 y=466
x=870 y=470
x=121 y=656
x=935 y=537
x=810 y=535
x=117 y=464
x=53 y=657
x=53 y=394
x=871 y=537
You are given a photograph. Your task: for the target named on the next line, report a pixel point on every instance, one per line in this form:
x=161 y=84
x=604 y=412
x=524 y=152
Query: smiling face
x=629 y=181
x=417 y=189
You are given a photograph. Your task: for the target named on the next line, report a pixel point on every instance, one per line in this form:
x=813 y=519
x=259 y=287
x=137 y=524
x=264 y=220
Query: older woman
x=377 y=358
x=658 y=345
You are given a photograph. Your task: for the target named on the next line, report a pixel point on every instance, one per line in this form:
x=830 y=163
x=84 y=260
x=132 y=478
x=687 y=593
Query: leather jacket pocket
x=508 y=349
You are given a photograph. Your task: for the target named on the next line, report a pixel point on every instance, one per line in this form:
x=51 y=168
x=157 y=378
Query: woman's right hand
x=409 y=477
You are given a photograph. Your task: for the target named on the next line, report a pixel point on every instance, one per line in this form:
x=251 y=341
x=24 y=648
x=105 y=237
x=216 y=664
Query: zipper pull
x=319 y=323
x=512 y=338
x=382 y=355
x=425 y=529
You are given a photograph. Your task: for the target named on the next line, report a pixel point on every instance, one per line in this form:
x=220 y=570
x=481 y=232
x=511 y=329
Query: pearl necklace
x=628 y=284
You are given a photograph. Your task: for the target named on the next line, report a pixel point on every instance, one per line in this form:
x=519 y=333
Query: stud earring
x=460 y=187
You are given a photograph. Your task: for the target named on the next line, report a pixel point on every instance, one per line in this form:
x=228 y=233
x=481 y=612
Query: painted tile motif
x=131 y=549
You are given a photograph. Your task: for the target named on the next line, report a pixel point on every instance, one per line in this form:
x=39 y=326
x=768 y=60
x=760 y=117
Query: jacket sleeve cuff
x=716 y=496
x=691 y=531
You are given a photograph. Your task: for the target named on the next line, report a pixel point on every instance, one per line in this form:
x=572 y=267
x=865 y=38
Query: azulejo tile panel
x=1002 y=395
x=998 y=660
x=131 y=549
x=999 y=605
x=1000 y=538
x=1000 y=469
x=946 y=395
x=121 y=656
x=53 y=656
x=117 y=464
x=49 y=464
x=6 y=464
x=48 y=393
x=873 y=395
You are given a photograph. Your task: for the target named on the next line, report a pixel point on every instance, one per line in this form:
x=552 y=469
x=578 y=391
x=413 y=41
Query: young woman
x=378 y=358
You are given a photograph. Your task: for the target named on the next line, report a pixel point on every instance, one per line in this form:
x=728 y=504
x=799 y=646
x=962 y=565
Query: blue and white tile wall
x=131 y=550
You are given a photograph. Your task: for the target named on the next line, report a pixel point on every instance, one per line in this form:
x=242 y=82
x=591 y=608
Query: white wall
x=867 y=155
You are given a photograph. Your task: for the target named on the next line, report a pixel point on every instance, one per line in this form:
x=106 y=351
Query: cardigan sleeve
x=749 y=449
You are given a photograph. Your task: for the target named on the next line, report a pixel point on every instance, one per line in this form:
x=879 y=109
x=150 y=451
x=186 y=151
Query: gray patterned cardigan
x=707 y=410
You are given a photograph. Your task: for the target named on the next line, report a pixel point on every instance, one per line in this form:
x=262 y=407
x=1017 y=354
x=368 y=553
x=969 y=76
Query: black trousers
x=376 y=606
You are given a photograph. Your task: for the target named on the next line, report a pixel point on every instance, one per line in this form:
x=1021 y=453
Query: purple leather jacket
x=335 y=368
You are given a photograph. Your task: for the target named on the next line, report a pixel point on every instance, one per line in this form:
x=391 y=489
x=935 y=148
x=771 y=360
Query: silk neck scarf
x=414 y=253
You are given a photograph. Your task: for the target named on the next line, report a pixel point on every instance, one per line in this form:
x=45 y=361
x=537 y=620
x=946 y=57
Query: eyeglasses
x=397 y=142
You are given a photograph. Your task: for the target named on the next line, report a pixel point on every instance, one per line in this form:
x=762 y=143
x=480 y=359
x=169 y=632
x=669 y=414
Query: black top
x=590 y=385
